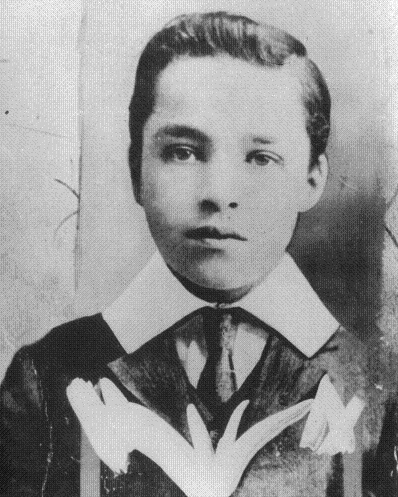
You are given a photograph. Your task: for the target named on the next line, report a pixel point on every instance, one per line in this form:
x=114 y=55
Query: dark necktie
x=217 y=382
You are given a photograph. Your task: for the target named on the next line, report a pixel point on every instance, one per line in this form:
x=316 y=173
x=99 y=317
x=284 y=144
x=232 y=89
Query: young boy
x=229 y=122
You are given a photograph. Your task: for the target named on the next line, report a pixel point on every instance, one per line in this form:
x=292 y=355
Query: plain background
x=67 y=73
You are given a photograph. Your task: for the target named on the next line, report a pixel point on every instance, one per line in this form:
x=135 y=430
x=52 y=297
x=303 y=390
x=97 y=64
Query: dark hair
x=215 y=33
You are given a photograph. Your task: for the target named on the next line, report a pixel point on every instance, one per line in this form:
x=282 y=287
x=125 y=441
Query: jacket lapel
x=281 y=379
x=155 y=377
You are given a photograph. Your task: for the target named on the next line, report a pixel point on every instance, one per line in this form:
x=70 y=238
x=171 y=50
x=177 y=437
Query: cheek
x=273 y=212
x=293 y=187
x=168 y=189
x=156 y=192
x=163 y=203
x=277 y=194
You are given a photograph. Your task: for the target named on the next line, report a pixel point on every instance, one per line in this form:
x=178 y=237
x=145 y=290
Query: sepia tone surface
x=39 y=155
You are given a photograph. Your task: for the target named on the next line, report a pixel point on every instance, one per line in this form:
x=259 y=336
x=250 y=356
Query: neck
x=212 y=295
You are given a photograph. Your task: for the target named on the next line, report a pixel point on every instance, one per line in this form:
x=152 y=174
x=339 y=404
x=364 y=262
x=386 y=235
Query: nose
x=220 y=186
x=211 y=205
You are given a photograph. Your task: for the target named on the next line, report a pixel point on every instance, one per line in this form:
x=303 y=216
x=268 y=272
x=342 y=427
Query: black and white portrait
x=199 y=249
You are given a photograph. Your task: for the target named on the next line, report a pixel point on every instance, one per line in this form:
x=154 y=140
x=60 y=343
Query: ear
x=136 y=182
x=135 y=174
x=316 y=179
x=137 y=191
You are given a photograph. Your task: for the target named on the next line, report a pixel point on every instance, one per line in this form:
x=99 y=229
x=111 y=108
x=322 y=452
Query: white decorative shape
x=116 y=427
x=330 y=426
x=97 y=417
x=195 y=362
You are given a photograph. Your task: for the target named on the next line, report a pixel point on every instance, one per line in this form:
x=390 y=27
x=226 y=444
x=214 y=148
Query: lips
x=212 y=232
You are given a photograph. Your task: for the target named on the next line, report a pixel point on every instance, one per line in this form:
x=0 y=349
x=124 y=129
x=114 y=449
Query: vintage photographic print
x=199 y=248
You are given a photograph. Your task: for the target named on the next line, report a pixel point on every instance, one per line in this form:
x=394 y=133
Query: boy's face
x=225 y=169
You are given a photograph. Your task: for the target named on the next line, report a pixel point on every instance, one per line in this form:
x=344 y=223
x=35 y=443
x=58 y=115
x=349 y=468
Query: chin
x=218 y=276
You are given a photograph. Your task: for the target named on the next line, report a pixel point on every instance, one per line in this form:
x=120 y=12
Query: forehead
x=242 y=95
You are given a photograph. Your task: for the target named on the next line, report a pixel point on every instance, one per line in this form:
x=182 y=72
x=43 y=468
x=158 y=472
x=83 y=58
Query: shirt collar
x=285 y=300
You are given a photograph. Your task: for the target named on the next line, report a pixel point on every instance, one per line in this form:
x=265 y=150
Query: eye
x=262 y=158
x=180 y=153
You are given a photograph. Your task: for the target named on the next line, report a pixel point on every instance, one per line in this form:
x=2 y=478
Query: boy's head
x=229 y=122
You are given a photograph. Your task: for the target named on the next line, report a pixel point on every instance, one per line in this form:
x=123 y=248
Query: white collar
x=155 y=300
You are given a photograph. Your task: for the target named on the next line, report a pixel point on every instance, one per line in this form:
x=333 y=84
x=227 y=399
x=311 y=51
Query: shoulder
x=372 y=357
x=33 y=401
x=366 y=368
x=88 y=333
x=77 y=345
x=357 y=366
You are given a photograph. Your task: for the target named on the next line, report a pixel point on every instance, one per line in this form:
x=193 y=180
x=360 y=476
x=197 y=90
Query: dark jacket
x=40 y=434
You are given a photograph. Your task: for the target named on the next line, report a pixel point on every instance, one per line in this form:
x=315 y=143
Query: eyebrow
x=180 y=131
x=263 y=141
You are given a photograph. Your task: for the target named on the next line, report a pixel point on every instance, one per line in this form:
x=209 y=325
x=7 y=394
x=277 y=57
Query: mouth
x=211 y=232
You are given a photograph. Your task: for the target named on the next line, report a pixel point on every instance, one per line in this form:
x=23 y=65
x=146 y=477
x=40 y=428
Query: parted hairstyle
x=220 y=33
